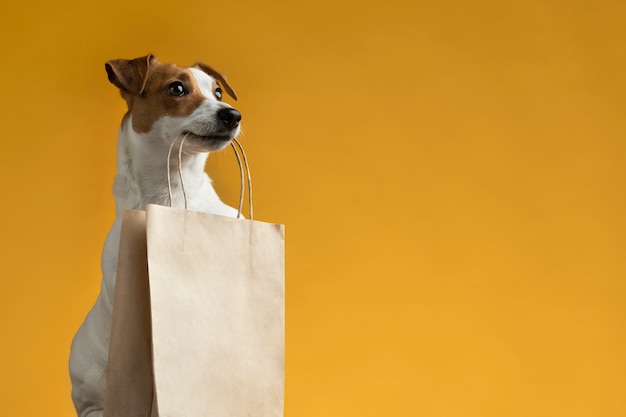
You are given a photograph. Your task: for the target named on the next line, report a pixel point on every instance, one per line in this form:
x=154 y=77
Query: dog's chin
x=211 y=143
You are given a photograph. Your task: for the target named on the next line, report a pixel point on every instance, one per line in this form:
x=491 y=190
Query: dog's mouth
x=214 y=139
x=206 y=143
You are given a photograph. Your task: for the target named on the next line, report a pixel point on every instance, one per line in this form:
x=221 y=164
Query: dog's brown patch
x=156 y=101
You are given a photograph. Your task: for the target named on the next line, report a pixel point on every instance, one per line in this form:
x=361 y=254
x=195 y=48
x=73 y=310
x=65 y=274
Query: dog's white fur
x=142 y=179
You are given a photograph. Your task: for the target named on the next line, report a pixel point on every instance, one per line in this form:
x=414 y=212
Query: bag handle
x=241 y=169
x=241 y=172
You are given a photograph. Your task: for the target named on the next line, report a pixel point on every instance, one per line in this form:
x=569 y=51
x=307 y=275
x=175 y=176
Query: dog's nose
x=230 y=117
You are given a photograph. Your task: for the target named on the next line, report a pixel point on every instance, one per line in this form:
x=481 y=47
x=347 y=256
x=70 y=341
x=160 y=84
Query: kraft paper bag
x=198 y=321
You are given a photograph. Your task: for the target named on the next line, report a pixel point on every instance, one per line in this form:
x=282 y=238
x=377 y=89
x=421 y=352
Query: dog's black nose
x=230 y=117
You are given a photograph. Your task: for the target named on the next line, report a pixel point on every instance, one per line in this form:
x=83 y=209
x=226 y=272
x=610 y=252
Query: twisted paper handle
x=241 y=169
x=241 y=172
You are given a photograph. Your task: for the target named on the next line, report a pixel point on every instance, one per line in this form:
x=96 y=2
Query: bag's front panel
x=217 y=293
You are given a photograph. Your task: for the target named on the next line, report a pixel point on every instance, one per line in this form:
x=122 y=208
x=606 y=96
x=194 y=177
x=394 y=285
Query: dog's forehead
x=204 y=80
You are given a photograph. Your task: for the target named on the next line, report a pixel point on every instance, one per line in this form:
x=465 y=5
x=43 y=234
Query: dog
x=165 y=102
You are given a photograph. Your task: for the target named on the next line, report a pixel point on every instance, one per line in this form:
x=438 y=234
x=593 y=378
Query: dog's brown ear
x=130 y=75
x=221 y=78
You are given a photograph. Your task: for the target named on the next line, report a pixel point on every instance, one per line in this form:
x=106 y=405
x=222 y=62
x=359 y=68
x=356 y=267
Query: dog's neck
x=142 y=175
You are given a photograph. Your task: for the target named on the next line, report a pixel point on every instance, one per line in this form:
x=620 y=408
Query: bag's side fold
x=129 y=391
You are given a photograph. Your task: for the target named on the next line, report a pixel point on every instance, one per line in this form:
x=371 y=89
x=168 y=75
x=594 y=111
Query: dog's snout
x=230 y=117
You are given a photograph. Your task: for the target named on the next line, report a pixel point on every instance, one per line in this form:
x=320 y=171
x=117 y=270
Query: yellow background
x=451 y=175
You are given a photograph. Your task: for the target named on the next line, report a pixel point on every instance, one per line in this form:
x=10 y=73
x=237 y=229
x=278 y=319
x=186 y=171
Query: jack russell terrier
x=165 y=102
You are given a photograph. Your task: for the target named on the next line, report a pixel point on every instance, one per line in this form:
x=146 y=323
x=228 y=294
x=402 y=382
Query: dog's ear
x=221 y=78
x=130 y=75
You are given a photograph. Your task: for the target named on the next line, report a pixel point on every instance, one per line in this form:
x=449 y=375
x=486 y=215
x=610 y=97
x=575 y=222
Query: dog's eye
x=218 y=93
x=177 y=89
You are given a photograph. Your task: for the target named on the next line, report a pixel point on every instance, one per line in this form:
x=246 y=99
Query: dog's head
x=167 y=101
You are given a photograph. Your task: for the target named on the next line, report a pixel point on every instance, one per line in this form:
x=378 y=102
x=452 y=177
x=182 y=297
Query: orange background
x=450 y=173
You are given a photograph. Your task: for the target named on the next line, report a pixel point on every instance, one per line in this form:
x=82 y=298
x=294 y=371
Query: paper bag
x=198 y=318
